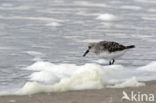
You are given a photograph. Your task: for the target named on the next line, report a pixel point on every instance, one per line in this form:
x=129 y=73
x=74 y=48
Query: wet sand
x=106 y=95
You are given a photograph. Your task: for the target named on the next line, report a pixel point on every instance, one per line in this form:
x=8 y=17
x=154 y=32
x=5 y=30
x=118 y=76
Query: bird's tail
x=130 y=46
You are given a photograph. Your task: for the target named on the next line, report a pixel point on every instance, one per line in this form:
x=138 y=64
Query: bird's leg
x=110 y=63
x=113 y=61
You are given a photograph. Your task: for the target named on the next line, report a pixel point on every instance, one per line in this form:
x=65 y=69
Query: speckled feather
x=110 y=46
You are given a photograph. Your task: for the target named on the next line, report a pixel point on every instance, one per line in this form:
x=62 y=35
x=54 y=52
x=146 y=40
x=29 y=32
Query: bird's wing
x=112 y=46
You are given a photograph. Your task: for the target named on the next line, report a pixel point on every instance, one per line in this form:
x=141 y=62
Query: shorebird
x=108 y=50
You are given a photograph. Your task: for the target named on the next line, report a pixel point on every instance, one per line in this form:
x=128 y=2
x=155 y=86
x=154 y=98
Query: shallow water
x=58 y=31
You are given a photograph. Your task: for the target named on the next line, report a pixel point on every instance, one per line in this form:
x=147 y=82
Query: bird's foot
x=111 y=62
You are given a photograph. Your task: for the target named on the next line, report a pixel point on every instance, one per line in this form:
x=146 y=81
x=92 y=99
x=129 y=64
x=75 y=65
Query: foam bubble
x=106 y=17
x=65 y=77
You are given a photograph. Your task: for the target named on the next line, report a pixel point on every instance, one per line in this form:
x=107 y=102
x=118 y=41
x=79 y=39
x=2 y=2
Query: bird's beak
x=86 y=53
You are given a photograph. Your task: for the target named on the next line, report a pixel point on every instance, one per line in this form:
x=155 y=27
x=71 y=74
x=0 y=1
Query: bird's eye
x=89 y=47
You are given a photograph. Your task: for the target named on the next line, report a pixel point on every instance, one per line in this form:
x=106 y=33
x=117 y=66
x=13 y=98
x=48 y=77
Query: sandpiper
x=108 y=50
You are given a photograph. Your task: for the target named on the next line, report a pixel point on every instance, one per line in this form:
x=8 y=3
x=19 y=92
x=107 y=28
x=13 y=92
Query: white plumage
x=113 y=55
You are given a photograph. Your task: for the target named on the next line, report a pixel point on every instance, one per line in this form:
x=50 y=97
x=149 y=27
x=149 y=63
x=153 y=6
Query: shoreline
x=105 y=95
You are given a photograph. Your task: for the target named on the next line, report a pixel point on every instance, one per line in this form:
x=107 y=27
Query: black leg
x=110 y=63
x=113 y=61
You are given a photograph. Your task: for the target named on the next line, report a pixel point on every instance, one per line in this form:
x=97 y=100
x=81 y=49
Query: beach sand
x=105 y=95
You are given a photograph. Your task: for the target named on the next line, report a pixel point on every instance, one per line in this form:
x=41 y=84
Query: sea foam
x=50 y=77
x=106 y=17
x=150 y=67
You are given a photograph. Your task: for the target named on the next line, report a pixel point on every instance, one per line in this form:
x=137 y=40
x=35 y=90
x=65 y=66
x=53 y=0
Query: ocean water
x=42 y=43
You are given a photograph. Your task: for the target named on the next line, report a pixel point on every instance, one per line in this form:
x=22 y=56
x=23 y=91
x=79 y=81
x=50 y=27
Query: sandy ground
x=106 y=95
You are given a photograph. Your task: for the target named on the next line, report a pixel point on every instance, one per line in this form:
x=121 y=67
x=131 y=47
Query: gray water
x=25 y=36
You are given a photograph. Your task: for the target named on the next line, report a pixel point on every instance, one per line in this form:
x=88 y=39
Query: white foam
x=106 y=17
x=38 y=66
x=132 y=82
x=37 y=55
x=79 y=81
x=55 y=24
x=44 y=76
x=149 y=67
x=64 y=77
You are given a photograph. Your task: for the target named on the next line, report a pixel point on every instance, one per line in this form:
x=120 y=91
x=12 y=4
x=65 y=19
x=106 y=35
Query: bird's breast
x=111 y=55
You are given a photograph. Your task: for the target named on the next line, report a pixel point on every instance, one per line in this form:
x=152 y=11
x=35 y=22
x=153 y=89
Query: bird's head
x=90 y=48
